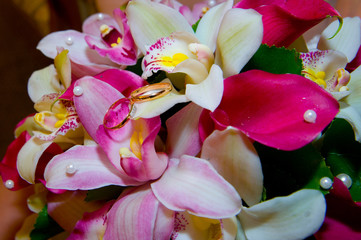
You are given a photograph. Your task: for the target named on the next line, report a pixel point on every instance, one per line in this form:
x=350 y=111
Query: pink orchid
x=284 y=111
x=342 y=216
x=109 y=37
x=285 y=21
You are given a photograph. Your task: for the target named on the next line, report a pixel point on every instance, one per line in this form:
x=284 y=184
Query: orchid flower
x=169 y=44
x=327 y=68
x=109 y=37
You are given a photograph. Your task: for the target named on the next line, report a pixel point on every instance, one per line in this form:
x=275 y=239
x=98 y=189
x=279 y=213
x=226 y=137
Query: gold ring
x=110 y=120
x=150 y=92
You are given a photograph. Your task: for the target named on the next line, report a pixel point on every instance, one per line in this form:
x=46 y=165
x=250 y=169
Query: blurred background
x=22 y=24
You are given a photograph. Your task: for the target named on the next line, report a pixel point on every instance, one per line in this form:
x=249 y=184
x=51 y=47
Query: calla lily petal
x=351 y=115
x=208 y=93
x=83 y=167
x=270 y=108
x=150 y=21
x=183 y=137
x=239 y=37
x=134 y=204
x=281 y=218
x=348 y=39
x=94 y=102
x=234 y=157
x=200 y=189
x=208 y=26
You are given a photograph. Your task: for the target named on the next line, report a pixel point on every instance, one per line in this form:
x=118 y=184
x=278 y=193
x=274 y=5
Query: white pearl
x=69 y=41
x=212 y=3
x=70 y=168
x=78 y=91
x=310 y=116
x=326 y=183
x=100 y=16
x=9 y=184
x=346 y=179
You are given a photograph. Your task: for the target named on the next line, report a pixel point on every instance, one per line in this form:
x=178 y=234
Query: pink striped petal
x=92 y=225
x=284 y=21
x=94 y=102
x=183 y=137
x=83 y=167
x=92 y=24
x=134 y=216
x=192 y=184
x=270 y=108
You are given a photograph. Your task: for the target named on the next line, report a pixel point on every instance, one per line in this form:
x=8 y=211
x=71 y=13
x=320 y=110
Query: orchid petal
x=281 y=218
x=183 y=137
x=352 y=116
x=234 y=157
x=195 y=70
x=355 y=86
x=90 y=168
x=27 y=227
x=92 y=225
x=63 y=67
x=133 y=216
x=94 y=102
x=208 y=93
x=156 y=107
x=270 y=108
x=29 y=156
x=347 y=41
x=92 y=24
x=150 y=21
x=239 y=37
x=192 y=184
x=79 y=52
x=67 y=208
x=43 y=82
x=208 y=26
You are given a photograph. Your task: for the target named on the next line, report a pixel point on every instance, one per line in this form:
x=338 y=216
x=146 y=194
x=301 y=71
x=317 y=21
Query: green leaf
x=288 y=171
x=45 y=227
x=195 y=26
x=105 y=193
x=343 y=154
x=275 y=60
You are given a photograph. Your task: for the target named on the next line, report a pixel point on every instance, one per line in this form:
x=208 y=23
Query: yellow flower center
x=317 y=77
x=174 y=60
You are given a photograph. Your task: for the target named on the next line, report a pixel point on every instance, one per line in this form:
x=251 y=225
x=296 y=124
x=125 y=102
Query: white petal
x=296 y=216
x=351 y=115
x=234 y=157
x=354 y=99
x=348 y=40
x=239 y=37
x=149 y=21
x=42 y=82
x=207 y=94
x=29 y=156
x=208 y=26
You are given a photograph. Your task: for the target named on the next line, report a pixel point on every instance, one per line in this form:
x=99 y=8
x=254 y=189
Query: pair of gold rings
x=114 y=117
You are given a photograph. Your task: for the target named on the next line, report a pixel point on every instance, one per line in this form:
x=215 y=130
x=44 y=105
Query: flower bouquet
x=220 y=122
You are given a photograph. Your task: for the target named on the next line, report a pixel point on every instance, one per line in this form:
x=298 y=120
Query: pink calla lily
x=272 y=109
x=284 y=21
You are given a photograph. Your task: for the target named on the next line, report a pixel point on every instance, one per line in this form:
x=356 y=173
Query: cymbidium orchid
x=109 y=37
x=169 y=44
x=328 y=67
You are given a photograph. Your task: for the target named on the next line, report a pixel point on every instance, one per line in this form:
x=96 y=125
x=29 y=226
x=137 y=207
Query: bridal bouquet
x=220 y=122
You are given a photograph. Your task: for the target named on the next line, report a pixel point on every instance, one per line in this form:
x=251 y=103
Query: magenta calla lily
x=285 y=21
x=271 y=108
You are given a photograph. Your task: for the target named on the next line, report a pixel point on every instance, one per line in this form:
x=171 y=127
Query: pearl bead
x=9 y=184
x=346 y=179
x=310 y=116
x=69 y=41
x=70 y=168
x=212 y=3
x=326 y=183
x=100 y=16
x=78 y=91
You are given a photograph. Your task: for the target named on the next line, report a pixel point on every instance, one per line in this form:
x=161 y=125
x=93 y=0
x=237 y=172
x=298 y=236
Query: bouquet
x=220 y=122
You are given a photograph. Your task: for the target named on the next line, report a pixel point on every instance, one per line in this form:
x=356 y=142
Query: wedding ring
x=150 y=92
x=118 y=114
